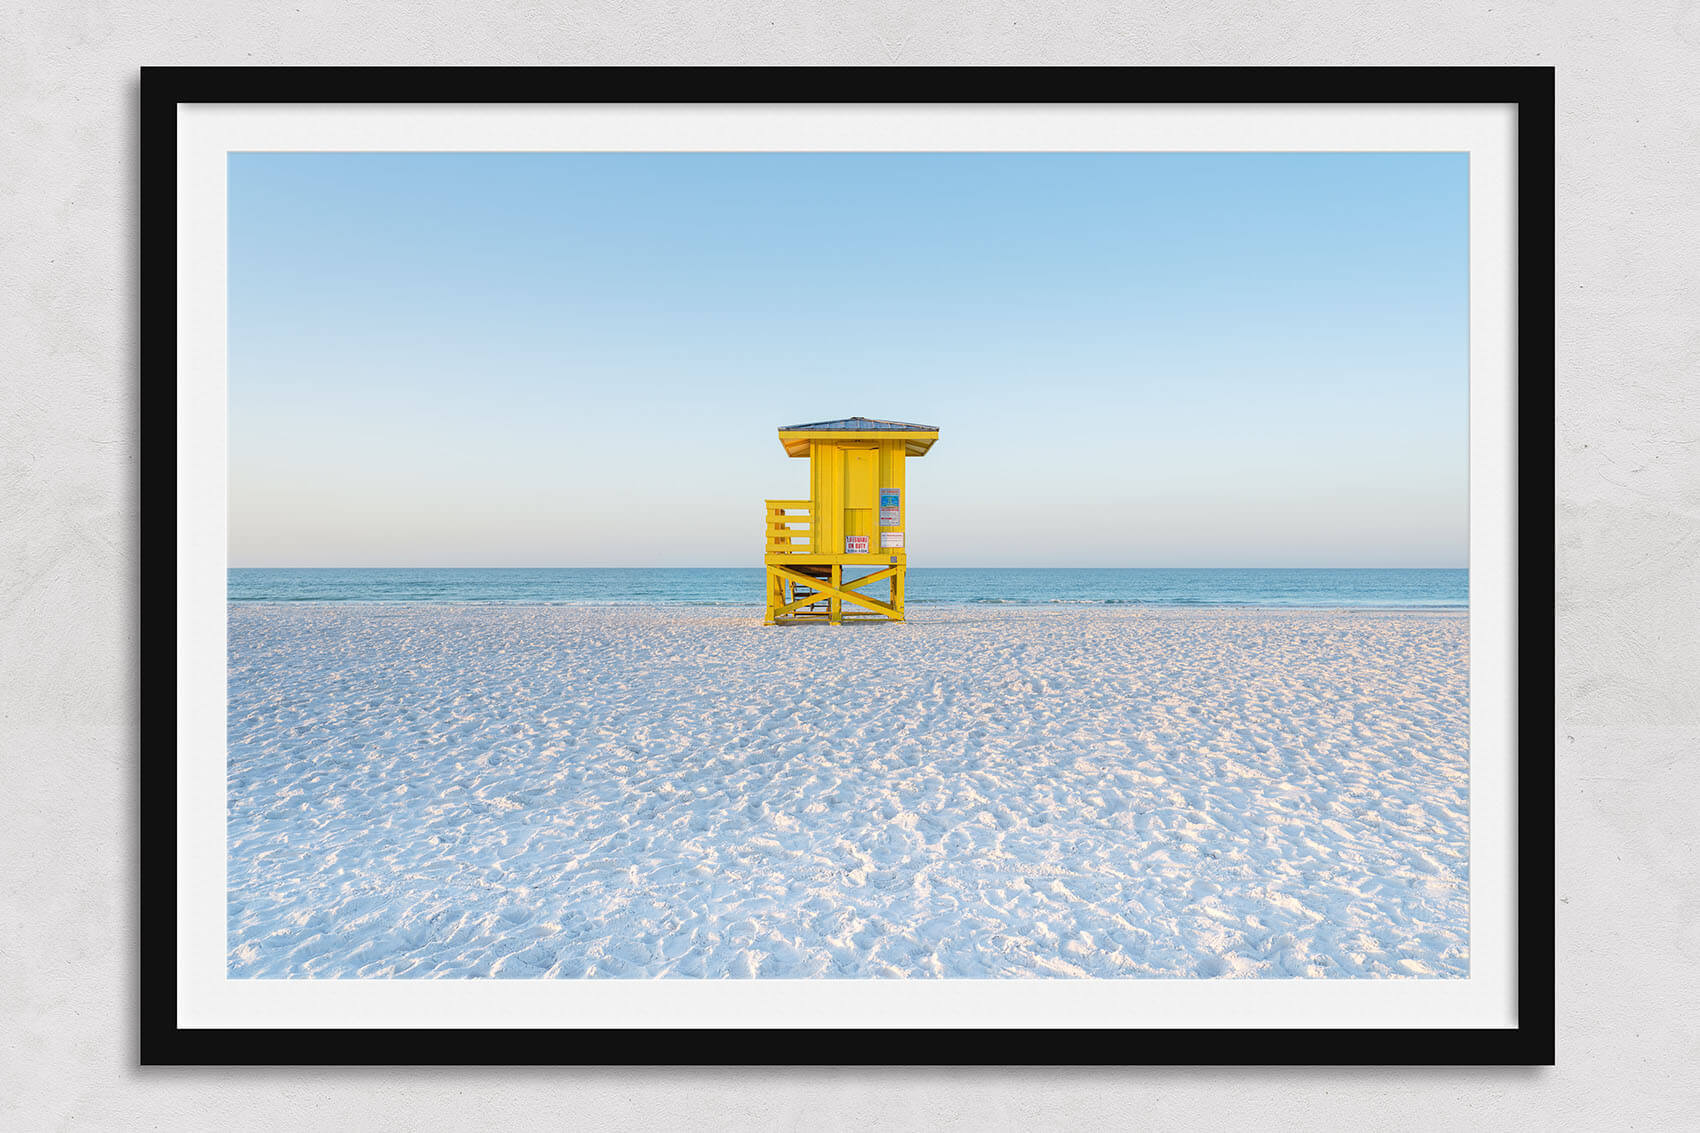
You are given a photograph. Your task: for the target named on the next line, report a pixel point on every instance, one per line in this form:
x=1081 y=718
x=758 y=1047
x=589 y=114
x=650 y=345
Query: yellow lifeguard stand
x=854 y=516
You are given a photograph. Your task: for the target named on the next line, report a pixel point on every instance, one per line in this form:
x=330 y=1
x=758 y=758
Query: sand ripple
x=555 y=791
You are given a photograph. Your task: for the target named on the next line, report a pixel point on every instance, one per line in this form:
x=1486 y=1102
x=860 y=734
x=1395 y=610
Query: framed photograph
x=1155 y=479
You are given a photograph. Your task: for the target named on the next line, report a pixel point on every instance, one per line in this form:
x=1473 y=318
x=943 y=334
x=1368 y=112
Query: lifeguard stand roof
x=917 y=438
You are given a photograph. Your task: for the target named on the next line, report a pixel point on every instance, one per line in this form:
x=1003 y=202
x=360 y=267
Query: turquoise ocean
x=742 y=586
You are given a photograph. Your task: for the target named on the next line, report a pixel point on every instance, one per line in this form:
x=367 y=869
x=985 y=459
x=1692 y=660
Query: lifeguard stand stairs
x=854 y=518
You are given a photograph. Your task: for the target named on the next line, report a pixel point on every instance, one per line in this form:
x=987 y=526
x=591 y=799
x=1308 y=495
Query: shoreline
x=924 y=603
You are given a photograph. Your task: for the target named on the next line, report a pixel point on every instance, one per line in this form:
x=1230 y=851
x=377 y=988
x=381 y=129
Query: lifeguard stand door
x=861 y=497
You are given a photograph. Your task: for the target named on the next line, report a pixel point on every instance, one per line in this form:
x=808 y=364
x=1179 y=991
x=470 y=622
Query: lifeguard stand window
x=854 y=516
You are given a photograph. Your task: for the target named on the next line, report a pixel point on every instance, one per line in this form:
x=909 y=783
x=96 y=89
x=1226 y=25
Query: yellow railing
x=785 y=524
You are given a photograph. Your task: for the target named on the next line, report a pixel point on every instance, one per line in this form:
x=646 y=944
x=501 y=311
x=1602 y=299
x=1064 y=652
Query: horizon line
x=758 y=566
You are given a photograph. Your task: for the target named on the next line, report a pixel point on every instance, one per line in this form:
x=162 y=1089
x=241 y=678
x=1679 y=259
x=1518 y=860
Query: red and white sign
x=855 y=544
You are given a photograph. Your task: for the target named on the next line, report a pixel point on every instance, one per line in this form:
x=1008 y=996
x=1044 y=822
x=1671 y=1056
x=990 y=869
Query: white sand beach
x=530 y=791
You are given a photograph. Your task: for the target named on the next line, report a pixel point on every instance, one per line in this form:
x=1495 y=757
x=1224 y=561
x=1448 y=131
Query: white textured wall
x=1627 y=735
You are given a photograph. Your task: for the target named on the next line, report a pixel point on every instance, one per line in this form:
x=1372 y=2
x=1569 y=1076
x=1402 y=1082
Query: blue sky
x=581 y=359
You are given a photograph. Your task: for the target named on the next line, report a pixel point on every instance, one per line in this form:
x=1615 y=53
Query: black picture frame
x=1529 y=89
